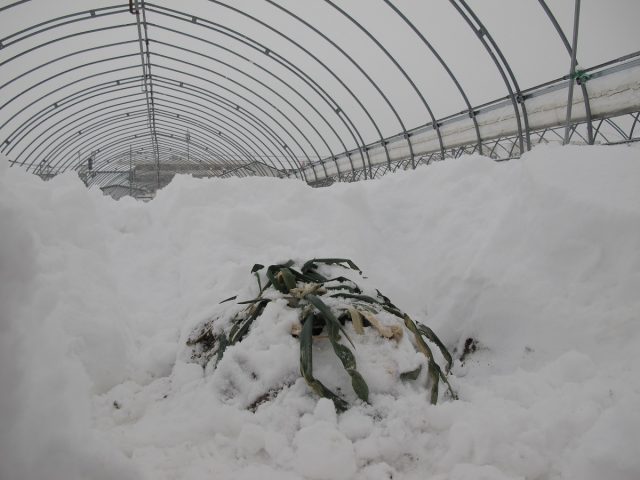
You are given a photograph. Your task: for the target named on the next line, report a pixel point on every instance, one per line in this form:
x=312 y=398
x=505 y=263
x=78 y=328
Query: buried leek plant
x=325 y=303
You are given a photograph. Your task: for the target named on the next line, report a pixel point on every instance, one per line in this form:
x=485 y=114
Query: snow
x=537 y=259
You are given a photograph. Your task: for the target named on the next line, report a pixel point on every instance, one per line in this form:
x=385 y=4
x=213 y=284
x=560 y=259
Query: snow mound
x=322 y=319
x=537 y=259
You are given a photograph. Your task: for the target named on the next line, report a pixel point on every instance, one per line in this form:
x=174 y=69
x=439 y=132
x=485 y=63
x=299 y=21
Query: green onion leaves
x=325 y=305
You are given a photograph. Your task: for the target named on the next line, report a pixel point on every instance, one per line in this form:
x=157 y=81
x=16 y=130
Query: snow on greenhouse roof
x=316 y=90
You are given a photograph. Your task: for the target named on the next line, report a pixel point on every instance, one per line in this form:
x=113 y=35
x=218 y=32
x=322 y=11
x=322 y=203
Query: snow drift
x=537 y=259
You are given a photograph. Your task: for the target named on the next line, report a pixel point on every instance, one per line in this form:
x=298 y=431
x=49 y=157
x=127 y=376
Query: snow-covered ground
x=537 y=259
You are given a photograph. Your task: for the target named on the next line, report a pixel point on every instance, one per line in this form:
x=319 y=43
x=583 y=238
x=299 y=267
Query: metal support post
x=572 y=71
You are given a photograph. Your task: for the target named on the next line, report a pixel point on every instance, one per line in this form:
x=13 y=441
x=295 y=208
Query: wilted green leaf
x=433 y=380
x=222 y=346
x=240 y=330
x=327 y=313
x=329 y=261
x=348 y=361
x=359 y=385
x=306 y=365
x=427 y=332
x=275 y=279
x=256 y=268
x=229 y=299
x=288 y=278
x=411 y=375
x=247 y=302
x=356 y=296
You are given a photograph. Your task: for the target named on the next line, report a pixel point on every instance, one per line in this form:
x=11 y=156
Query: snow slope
x=538 y=259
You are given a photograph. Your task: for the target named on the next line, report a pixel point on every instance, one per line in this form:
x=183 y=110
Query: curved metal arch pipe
x=15 y=4
x=636 y=120
x=45 y=144
x=481 y=32
x=50 y=111
x=583 y=87
x=282 y=61
x=617 y=128
x=82 y=16
x=239 y=113
x=186 y=115
x=64 y=57
x=114 y=99
x=434 y=122
x=572 y=70
x=598 y=132
x=299 y=166
x=359 y=67
x=263 y=99
x=135 y=79
x=276 y=93
x=119 y=118
x=60 y=39
x=167 y=146
x=233 y=160
x=360 y=142
x=108 y=83
x=256 y=127
x=224 y=119
x=92 y=63
x=497 y=143
x=172 y=146
x=145 y=62
x=202 y=155
x=196 y=156
x=66 y=151
x=42 y=82
x=222 y=133
x=23 y=130
x=121 y=154
x=103 y=148
x=223 y=159
x=131 y=136
x=445 y=66
x=212 y=141
x=278 y=78
x=51 y=92
x=105 y=123
x=126 y=128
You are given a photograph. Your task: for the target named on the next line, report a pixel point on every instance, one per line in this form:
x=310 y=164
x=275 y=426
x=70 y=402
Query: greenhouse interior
x=319 y=239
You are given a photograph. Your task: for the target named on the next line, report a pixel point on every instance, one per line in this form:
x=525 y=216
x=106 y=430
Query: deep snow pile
x=537 y=259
